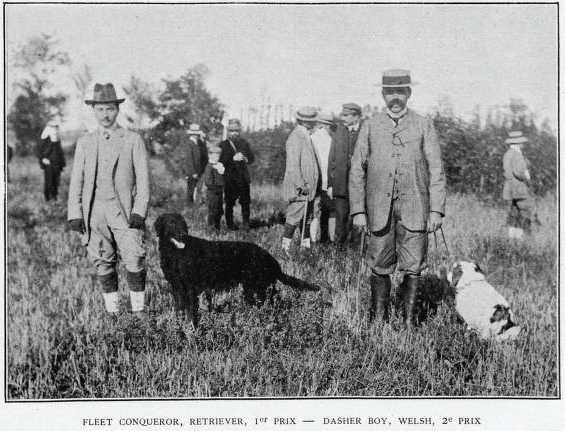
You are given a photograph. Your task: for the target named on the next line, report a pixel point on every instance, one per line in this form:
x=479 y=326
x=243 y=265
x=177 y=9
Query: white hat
x=516 y=137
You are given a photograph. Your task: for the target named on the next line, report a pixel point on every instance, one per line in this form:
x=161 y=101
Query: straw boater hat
x=351 y=108
x=516 y=137
x=214 y=150
x=325 y=119
x=104 y=93
x=194 y=129
x=394 y=78
x=307 y=113
x=234 y=125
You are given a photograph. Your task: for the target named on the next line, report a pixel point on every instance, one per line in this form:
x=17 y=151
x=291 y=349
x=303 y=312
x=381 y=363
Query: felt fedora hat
x=307 y=113
x=516 y=137
x=104 y=93
x=234 y=125
x=194 y=129
x=394 y=78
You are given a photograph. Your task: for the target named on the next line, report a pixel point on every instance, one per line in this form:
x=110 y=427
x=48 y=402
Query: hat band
x=396 y=80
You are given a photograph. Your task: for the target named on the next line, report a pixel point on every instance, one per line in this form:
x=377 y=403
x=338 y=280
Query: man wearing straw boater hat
x=194 y=168
x=108 y=199
x=301 y=177
x=517 y=176
x=397 y=191
x=235 y=156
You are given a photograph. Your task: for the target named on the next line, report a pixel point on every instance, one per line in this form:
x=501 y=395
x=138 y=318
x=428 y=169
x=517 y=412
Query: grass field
x=60 y=343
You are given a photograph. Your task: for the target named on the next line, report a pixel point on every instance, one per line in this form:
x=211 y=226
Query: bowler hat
x=234 y=125
x=516 y=137
x=396 y=78
x=194 y=129
x=104 y=93
x=351 y=108
x=307 y=113
x=325 y=119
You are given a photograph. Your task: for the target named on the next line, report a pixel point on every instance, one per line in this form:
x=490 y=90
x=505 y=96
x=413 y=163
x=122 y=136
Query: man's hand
x=435 y=221
x=239 y=157
x=136 y=221
x=45 y=161
x=360 y=221
x=303 y=190
x=195 y=176
x=77 y=225
x=330 y=192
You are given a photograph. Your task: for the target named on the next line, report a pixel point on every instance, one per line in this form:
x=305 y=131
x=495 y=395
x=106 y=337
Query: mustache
x=395 y=102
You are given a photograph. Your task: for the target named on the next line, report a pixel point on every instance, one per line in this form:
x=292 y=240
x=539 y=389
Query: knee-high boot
x=136 y=284
x=409 y=288
x=380 y=297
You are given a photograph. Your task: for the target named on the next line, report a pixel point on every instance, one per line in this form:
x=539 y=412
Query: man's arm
x=358 y=173
x=141 y=167
x=432 y=152
x=248 y=153
x=74 y=204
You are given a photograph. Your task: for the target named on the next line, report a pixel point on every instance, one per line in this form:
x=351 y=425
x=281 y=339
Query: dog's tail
x=296 y=283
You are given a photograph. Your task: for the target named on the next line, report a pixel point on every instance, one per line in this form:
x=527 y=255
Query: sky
x=321 y=55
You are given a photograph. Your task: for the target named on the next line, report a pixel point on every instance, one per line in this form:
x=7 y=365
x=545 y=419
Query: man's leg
x=341 y=204
x=230 y=198
x=412 y=249
x=381 y=258
x=293 y=217
x=245 y=202
x=190 y=186
x=47 y=183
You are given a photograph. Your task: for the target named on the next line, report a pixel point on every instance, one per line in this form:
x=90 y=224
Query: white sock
x=137 y=300
x=111 y=301
x=314 y=229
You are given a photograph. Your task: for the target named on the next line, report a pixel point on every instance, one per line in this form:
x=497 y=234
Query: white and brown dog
x=480 y=305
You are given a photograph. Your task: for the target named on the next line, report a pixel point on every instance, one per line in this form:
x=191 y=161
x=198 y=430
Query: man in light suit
x=517 y=177
x=108 y=199
x=397 y=181
x=301 y=176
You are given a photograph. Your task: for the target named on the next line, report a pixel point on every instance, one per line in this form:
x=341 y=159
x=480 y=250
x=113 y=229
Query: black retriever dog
x=193 y=265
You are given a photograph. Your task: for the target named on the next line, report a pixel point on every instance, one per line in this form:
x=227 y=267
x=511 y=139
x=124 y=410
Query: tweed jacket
x=515 y=166
x=130 y=176
x=236 y=172
x=409 y=153
x=339 y=162
x=301 y=166
x=52 y=150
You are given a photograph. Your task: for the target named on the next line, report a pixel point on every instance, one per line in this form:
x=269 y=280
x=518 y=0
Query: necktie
x=106 y=134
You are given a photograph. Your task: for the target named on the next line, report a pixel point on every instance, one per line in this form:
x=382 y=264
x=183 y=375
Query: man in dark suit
x=51 y=159
x=193 y=154
x=339 y=164
x=236 y=155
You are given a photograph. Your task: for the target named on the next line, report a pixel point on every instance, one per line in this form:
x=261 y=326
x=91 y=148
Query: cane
x=304 y=217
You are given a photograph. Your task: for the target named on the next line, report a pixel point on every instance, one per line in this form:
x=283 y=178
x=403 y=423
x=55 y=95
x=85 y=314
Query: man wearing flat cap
x=301 y=177
x=517 y=177
x=109 y=197
x=339 y=165
x=235 y=156
x=397 y=191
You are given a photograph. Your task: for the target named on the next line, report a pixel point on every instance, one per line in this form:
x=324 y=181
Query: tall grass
x=61 y=344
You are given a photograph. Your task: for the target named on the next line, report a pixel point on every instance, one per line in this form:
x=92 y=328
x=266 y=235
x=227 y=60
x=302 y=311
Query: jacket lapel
x=116 y=139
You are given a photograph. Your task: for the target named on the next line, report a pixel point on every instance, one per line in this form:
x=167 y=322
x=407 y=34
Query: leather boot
x=409 y=287
x=380 y=297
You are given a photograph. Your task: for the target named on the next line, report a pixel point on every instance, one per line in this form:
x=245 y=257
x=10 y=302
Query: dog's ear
x=478 y=268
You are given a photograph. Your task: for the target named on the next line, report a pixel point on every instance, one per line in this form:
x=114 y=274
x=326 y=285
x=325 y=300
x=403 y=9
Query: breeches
x=520 y=214
x=234 y=192
x=397 y=244
x=295 y=212
x=109 y=235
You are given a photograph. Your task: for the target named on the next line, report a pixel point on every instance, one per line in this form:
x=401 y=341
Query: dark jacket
x=236 y=172
x=193 y=158
x=203 y=155
x=339 y=160
x=47 y=149
x=213 y=180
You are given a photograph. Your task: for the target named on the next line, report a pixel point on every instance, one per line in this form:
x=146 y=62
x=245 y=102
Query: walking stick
x=304 y=219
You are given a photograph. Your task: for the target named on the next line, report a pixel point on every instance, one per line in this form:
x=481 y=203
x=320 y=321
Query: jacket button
x=388 y=194
x=390 y=174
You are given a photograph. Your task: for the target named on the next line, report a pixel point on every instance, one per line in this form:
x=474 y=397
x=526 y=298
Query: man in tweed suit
x=517 y=176
x=397 y=181
x=108 y=199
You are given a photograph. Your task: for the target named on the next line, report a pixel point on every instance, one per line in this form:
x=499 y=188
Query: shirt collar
x=354 y=127
x=110 y=130
x=516 y=148
x=396 y=116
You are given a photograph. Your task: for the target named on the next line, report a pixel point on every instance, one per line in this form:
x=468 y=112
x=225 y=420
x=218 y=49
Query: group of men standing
x=386 y=173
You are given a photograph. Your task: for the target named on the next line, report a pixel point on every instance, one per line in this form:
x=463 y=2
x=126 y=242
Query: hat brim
x=397 y=85
x=97 y=102
x=195 y=132
x=307 y=119
x=234 y=130
x=329 y=123
x=519 y=140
